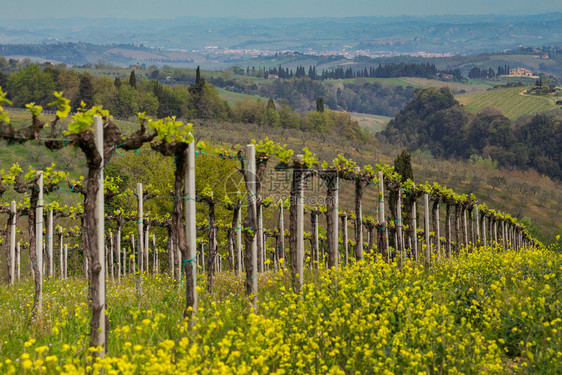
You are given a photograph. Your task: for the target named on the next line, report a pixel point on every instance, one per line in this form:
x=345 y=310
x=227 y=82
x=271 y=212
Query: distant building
x=272 y=76
x=444 y=76
x=520 y=72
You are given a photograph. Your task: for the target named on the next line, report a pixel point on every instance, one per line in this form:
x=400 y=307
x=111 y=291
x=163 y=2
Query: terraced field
x=512 y=102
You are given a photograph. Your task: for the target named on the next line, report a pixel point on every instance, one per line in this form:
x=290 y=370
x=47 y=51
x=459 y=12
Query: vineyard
x=202 y=285
x=510 y=101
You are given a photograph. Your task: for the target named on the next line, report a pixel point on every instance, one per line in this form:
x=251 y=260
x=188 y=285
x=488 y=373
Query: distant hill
x=434 y=121
x=226 y=41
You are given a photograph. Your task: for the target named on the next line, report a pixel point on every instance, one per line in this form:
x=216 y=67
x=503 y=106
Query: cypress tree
x=403 y=165
x=85 y=91
x=270 y=104
x=117 y=82
x=197 y=76
x=133 y=80
x=320 y=104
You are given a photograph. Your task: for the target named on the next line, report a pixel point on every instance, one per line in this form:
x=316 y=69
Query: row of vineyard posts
x=96 y=135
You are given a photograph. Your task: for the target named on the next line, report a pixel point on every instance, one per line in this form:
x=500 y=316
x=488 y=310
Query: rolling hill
x=513 y=102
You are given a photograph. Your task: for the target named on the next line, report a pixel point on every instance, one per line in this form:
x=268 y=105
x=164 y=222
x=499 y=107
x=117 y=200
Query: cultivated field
x=513 y=102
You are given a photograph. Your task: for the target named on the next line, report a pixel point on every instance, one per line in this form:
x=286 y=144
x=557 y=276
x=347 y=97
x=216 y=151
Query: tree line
x=490 y=73
x=423 y=70
x=200 y=100
x=436 y=122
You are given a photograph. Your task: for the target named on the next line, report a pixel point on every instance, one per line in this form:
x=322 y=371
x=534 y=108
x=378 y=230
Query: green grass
x=371 y=123
x=512 y=102
x=233 y=97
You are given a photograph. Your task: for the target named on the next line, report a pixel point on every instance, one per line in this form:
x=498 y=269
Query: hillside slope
x=513 y=102
x=524 y=194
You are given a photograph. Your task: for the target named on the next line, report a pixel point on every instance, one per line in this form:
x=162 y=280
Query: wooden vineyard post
x=118 y=251
x=486 y=229
x=358 y=251
x=492 y=232
x=155 y=257
x=18 y=261
x=98 y=299
x=296 y=228
x=212 y=260
x=399 y=224
x=496 y=232
x=146 y=246
x=483 y=222
x=281 y=247
x=132 y=267
x=65 y=261
x=50 y=242
x=503 y=229
x=140 y=241
x=61 y=253
x=86 y=267
x=140 y=252
x=111 y=260
x=300 y=230
x=124 y=263
x=39 y=244
x=251 y=260
x=106 y=266
x=414 y=230
x=315 y=256
x=190 y=263
x=427 y=254
x=230 y=247
x=448 y=237
x=332 y=222
x=464 y=226
x=436 y=225
x=239 y=242
x=13 y=229
x=470 y=221
x=457 y=225
x=344 y=239
x=171 y=254
x=383 y=236
x=202 y=255
x=259 y=234
x=477 y=217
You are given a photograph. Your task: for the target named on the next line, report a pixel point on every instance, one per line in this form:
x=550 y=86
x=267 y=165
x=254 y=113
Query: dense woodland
x=436 y=122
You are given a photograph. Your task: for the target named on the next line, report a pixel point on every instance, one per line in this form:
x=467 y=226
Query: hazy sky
x=266 y=8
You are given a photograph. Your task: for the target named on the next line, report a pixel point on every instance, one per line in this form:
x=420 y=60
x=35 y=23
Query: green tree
x=289 y=118
x=85 y=91
x=117 y=82
x=198 y=80
x=3 y=79
x=403 y=165
x=320 y=104
x=205 y=102
x=318 y=122
x=31 y=84
x=271 y=116
x=133 y=80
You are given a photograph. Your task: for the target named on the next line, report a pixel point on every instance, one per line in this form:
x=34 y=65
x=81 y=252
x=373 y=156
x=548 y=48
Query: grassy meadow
x=487 y=311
